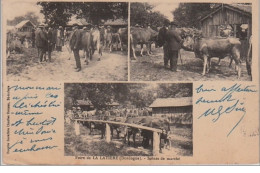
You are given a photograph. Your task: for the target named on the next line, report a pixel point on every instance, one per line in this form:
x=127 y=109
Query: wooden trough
x=156 y=132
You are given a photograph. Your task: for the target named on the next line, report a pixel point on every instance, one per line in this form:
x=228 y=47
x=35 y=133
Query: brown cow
x=142 y=36
x=206 y=48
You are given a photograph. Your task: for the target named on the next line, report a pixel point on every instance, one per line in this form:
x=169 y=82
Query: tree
x=28 y=16
x=59 y=13
x=56 y=13
x=142 y=13
x=189 y=14
x=139 y=95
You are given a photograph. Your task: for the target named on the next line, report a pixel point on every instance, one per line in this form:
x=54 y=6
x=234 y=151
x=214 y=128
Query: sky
x=165 y=8
x=15 y=9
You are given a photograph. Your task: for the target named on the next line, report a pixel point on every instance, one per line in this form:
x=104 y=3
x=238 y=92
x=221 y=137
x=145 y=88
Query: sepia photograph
x=128 y=119
x=67 y=41
x=190 y=41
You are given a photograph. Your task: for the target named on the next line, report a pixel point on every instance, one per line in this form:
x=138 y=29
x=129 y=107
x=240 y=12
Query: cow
x=123 y=37
x=86 y=44
x=115 y=42
x=142 y=36
x=95 y=42
x=206 y=48
x=90 y=41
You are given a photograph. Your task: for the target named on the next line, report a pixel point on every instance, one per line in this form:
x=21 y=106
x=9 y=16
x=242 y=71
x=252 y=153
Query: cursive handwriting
x=226 y=103
x=35 y=148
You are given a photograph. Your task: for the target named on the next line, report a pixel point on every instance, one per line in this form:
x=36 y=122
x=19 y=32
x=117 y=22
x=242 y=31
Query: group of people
x=46 y=40
x=77 y=112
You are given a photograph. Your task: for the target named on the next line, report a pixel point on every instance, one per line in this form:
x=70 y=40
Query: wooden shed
x=25 y=26
x=163 y=106
x=236 y=16
x=85 y=105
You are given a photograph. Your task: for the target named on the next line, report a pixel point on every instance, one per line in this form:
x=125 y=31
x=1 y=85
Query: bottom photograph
x=128 y=119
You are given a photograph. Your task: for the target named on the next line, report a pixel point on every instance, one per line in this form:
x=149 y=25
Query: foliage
x=142 y=13
x=59 y=13
x=139 y=95
x=189 y=14
x=28 y=16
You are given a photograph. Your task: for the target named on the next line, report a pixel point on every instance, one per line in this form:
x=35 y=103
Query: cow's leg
x=133 y=48
x=128 y=137
x=236 y=57
x=148 y=49
x=134 y=134
x=142 y=49
x=219 y=61
x=110 y=47
x=205 y=58
x=230 y=64
x=208 y=65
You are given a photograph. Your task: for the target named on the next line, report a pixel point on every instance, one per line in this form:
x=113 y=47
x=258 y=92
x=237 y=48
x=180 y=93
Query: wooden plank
x=156 y=143
x=108 y=133
x=77 y=127
x=124 y=124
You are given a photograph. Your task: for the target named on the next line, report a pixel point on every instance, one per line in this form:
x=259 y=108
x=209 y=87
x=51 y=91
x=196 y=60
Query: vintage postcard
x=130 y=82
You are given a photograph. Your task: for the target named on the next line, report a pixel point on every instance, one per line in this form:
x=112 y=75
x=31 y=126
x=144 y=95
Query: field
x=26 y=66
x=89 y=145
x=151 y=68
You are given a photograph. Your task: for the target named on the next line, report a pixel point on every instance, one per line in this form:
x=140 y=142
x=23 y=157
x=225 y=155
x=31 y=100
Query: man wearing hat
x=41 y=42
x=59 y=40
x=173 y=42
x=75 y=45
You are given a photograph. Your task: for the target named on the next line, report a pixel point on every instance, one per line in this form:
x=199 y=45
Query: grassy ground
x=151 y=68
x=86 y=145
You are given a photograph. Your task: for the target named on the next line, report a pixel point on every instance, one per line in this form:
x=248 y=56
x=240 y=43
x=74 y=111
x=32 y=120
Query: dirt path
x=151 y=68
x=112 y=67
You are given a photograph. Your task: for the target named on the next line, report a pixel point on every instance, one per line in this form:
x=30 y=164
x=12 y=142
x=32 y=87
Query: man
x=75 y=45
x=33 y=38
x=50 y=42
x=59 y=40
x=41 y=42
x=173 y=41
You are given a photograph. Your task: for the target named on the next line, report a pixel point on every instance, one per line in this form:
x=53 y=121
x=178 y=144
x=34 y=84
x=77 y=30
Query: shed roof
x=84 y=103
x=22 y=23
x=172 y=102
x=116 y=22
x=241 y=8
x=80 y=22
x=113 y=104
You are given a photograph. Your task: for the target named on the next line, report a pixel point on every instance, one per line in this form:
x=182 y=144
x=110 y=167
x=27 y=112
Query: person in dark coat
x=41 y=42
x=59 y=40
x=173 y=42
x=33 y=38
x=50 y=42
x=75 y=45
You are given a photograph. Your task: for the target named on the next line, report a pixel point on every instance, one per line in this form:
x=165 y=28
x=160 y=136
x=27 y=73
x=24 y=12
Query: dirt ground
x=112 y=67
x=87 y=145
x=151 y=68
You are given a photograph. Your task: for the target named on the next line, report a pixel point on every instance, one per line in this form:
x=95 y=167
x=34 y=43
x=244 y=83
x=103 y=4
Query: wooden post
x=156 y=143
x=108 y=133
x=77 y=127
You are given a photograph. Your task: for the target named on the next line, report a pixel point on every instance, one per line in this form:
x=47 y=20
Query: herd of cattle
x=125 y=132
x=97 y=39
x=91 y=40
x=204 y=48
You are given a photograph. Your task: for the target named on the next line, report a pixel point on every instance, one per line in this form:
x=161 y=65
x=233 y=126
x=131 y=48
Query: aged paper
x=130 y=82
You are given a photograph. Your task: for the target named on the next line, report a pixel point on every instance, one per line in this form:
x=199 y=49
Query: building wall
x=171 y=110
x=210 y=26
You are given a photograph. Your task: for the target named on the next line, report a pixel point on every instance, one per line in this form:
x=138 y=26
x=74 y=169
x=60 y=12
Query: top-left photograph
x=66 y=41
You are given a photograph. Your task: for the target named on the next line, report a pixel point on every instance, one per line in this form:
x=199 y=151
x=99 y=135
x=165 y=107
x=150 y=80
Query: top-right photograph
x=190 y=41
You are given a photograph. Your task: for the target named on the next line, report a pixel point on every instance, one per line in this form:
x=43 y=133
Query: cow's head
x=190 y=37
x=188 y=43
x=161 y=37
